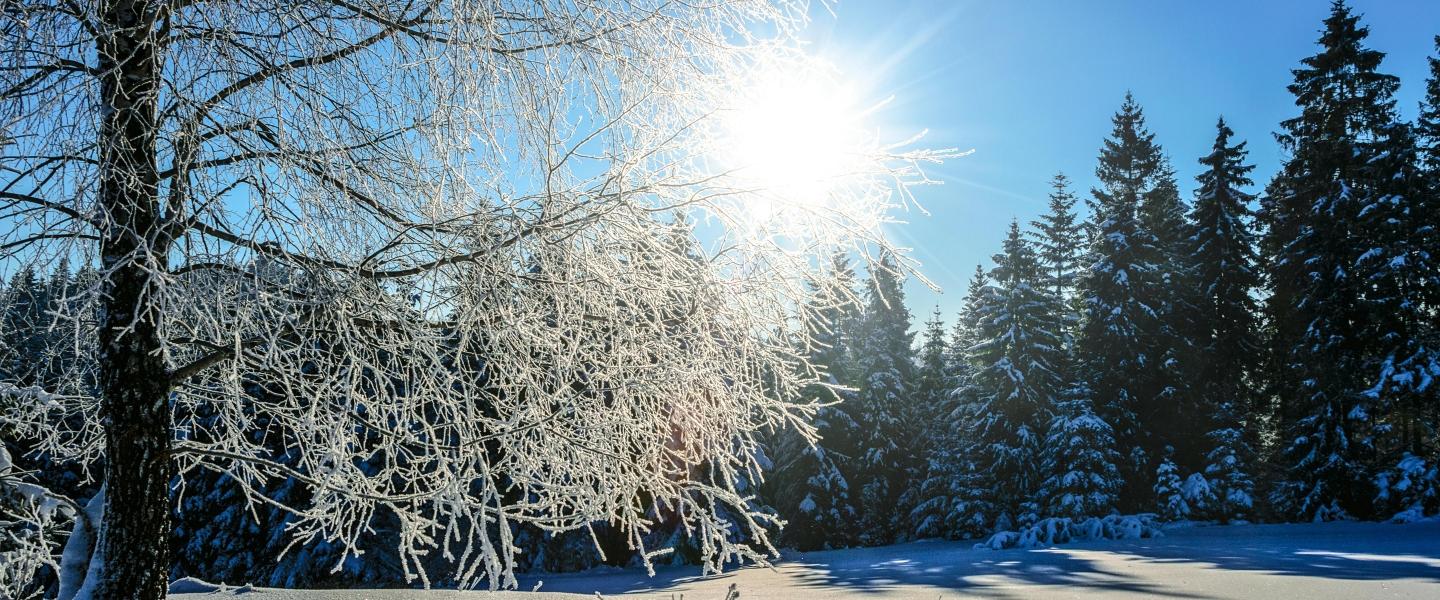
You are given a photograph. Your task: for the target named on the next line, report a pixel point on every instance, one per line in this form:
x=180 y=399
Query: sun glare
x=793 y=137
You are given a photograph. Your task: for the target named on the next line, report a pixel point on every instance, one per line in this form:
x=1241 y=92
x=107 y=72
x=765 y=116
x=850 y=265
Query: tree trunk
x=133 y=546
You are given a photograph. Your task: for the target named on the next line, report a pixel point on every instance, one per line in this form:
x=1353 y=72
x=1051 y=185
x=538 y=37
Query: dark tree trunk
x=133 y=544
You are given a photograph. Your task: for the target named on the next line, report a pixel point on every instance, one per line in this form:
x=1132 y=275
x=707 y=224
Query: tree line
x=1243 y=355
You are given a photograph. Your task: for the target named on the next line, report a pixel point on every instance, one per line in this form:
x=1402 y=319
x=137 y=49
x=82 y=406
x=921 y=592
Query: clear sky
x=1030 y=87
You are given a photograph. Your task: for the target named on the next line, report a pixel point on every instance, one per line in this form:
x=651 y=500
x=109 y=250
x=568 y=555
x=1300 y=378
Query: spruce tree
x=1226 y=318
x=930 y=397
x=1059 y=238
x=1170 y=503
x=947 y=503
x=1082 y=477
x=1017 y=379
x=882 y=470
x=807 y=485
x=1401 y=273
x=1428 y=125
x=1118 y=341
x=1168 y=415
x=25 y=325
x=1317 y=305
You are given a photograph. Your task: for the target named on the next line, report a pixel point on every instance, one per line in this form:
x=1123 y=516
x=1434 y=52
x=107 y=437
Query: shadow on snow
x=1347 y=551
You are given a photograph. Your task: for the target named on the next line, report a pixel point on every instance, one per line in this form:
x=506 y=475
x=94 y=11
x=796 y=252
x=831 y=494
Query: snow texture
x=1312 y=561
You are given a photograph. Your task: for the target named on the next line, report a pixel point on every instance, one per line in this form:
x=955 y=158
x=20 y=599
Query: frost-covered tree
x=400 y=166
x=1117 y=346
x=1018 y=330
x=881 y=472
x=1317 y=304
x=1226 y=319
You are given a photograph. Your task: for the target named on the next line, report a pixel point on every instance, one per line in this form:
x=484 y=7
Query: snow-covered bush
x=1060 y=530
x=1198 y=495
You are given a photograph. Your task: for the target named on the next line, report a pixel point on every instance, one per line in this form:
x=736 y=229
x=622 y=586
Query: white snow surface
x=1312 y=561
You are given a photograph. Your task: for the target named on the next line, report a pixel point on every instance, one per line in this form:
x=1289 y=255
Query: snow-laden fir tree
x=948 y=501
x=930 y=407
x=1171 y=290
x=1060 y=245
x=25 y=322
x=1117 y=343
x=931 y=377
x=1401 y=268
x=1226 y=321
x=882 y=470
x=1428 y=124
x=1019 y=341
x=933 y=385
x=1170 y=502
x=1082 y=477
x=807 y=485
x=1317 y=307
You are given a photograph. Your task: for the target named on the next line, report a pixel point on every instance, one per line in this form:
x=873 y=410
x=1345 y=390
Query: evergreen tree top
x=1129 y=157
x=1428 y=125
x=1016 y=263
x=1060 y=222
x=1340 y=90
x=932 y=352
x=1227 y=168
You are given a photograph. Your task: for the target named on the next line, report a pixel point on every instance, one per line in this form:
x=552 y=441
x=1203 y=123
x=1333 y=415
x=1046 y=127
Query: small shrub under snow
x=1060 y=530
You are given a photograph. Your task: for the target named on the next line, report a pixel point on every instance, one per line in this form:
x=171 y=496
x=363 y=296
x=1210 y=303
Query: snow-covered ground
x=1310 y=562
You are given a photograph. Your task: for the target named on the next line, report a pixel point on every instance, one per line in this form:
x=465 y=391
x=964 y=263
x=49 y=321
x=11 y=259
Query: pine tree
x=947 y=503
x=25 y=324
x=1428 y=125
x=932 y=385
x=1082 y=478
x=1402 y=273
x=1170 y=501
x=885 y=363
x=1317 y=302
x=1168 y=415
x=1059 y=237
x=807 y=485
x=1117 y=342
x=1227 y=467
x=1222 y=245
x=1016 y=381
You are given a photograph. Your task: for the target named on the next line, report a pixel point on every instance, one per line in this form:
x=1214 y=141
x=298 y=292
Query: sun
x=793 y=136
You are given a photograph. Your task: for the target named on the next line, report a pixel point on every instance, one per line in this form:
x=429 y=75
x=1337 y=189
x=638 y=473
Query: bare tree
x=441 y=233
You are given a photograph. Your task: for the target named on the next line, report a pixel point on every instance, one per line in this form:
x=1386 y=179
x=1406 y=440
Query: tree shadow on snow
x=1349 y=551
x=977 y=573
x=1344 y=551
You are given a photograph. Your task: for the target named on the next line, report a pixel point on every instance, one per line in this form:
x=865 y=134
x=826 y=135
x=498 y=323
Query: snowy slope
x=1313 y=562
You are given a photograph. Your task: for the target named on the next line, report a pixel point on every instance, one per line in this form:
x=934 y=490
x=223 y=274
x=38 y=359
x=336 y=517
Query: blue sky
x=1030 y=87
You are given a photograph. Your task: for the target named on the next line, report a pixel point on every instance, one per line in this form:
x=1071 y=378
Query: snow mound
x=191 y=585
x=1060 y=530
